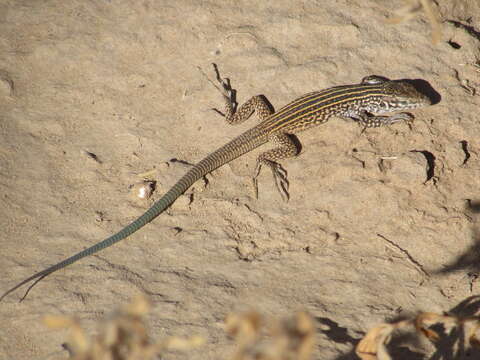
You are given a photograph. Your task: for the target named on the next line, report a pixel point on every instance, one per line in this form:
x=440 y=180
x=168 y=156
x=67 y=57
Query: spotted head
x=397 y=95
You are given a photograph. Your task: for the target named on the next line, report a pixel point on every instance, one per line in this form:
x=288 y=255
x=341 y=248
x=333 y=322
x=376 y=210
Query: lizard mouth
x=398 y=103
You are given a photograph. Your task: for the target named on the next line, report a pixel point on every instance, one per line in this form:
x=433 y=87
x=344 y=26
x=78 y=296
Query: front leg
x=369 y=120
x=286 y=148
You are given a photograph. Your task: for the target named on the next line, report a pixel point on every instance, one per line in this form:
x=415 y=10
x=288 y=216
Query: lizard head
x=401 y=95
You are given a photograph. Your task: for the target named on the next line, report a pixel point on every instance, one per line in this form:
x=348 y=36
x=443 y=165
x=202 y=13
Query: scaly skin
x=373 y=95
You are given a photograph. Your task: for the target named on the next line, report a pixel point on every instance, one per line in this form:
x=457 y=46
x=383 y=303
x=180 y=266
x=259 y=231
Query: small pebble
x=143 y=190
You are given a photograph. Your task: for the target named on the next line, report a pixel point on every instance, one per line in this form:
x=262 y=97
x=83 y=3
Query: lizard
x=364 y=102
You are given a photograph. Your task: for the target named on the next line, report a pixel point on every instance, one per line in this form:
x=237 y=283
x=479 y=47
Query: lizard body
x=358 y=101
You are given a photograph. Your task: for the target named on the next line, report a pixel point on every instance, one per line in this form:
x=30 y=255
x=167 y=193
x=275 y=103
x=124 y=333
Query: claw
x=279 y=176
x=256 y=172
x=389 y=120
x=225 y=88
x=255 y=188
x=401 y=117
x=281 y=181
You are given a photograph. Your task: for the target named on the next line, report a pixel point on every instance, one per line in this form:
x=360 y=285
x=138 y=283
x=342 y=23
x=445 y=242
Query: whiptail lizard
x=374 y=95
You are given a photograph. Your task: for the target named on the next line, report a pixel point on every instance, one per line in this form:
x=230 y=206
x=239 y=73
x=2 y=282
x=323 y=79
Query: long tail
x=235 y=148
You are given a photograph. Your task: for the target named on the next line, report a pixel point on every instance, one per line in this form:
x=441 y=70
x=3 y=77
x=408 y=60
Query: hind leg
x=285 y=148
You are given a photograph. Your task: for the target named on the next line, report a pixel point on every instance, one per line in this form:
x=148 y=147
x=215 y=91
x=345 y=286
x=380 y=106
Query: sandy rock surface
x=378 y=225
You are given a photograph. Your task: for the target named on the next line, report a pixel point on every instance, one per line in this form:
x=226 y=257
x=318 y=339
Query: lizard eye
x=374 y=80
x=384 y=105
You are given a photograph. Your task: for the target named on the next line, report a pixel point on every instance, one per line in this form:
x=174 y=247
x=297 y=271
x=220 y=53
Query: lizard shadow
x=425 y=88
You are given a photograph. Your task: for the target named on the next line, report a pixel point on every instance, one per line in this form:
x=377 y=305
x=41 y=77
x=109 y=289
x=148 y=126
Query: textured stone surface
x=365 y=237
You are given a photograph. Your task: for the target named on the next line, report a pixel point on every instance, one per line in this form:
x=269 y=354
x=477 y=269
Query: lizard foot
x=279 y=175
x=377 y=121
x=229 y=94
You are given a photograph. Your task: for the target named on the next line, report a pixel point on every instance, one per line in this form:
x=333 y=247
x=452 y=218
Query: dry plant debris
x=412 y=8
x=288 y=339
x=121 y=337
x=373 y=346
x=124 y=336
